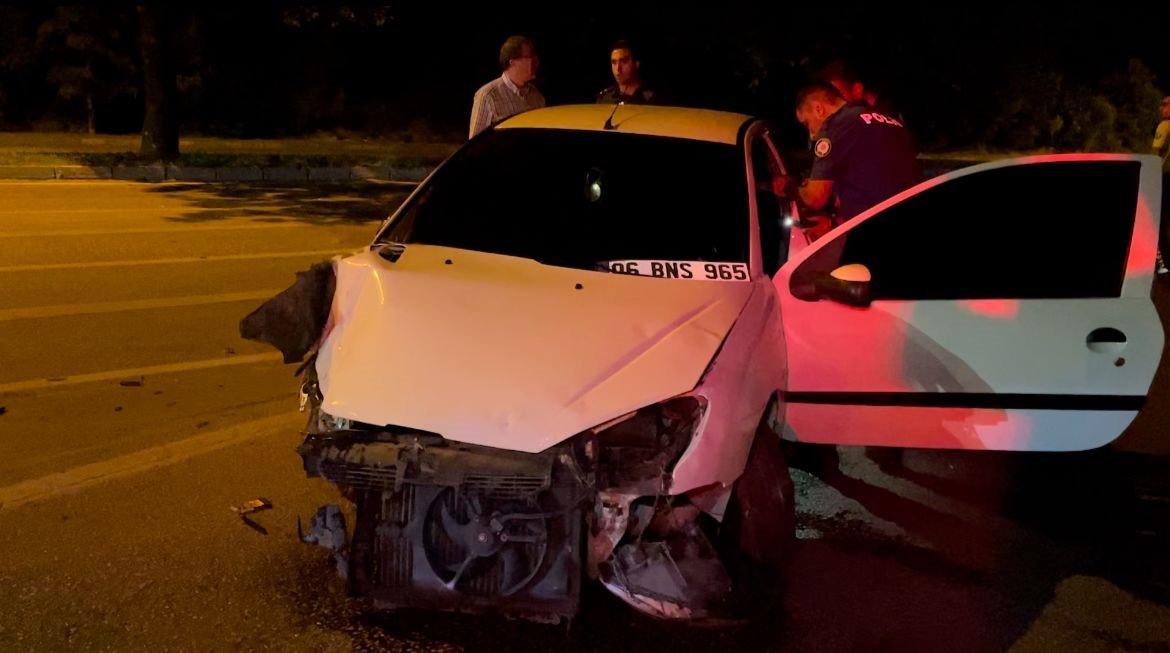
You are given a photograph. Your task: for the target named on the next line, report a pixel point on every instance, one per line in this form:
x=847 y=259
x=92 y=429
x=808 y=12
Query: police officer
x=629 y=89
x=860 y=156
x=844 y=78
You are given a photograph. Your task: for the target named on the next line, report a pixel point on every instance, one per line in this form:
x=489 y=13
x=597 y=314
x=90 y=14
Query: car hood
x=507 y=352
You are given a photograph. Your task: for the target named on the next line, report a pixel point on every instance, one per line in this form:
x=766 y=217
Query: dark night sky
x=927 y=57
x=257 y=74
x=697 y=49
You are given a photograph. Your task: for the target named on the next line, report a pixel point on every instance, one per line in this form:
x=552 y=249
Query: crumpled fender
x=294 y=320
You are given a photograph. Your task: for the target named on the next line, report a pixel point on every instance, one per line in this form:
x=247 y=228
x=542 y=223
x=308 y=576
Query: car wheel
x=759 y=527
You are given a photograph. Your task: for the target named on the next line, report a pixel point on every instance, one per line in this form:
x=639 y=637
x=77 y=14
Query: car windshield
x=577 y=199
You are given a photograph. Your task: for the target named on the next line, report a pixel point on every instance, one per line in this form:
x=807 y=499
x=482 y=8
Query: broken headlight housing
x=638 y=451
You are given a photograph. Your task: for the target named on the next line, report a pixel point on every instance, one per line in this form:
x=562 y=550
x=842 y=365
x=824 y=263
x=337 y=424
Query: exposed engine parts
x=452 y=526
x=638 y=452
x=448 y=526
x=653 y=554
x=679 y=577
x=327 y=530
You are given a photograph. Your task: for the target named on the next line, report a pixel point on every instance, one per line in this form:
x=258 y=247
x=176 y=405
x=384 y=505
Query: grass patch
x=210 y=160
x=31 y=148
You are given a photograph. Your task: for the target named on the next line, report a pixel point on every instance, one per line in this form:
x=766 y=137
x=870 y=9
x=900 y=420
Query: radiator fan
x=484 y=547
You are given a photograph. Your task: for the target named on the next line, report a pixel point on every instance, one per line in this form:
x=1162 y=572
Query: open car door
x=1008 y=307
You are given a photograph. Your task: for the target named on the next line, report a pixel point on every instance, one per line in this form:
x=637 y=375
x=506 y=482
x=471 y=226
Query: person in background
x=512 y=92
x=629 y=87
x=1161 y=147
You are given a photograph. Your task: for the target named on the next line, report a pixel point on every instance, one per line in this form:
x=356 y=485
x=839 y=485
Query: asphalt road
x=132 y=417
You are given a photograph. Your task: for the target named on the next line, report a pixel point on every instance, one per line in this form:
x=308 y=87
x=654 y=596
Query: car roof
x=676 y=122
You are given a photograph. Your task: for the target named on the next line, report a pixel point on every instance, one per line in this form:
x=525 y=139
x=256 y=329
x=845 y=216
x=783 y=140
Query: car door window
x=774 y=217
x=1057 y=229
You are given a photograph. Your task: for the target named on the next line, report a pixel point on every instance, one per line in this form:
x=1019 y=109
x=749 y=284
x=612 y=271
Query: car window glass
x=1055 y=229
x=771 y=210
x=577 y=198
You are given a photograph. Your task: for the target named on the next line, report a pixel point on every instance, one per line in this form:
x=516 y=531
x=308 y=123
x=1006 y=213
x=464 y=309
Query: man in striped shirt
x=513 y=91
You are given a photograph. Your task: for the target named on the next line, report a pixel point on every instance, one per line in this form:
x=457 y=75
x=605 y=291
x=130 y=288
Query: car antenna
x=609 y=121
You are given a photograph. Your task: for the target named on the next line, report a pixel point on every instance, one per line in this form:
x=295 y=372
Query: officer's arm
x=1162 y=137
x=815 y=193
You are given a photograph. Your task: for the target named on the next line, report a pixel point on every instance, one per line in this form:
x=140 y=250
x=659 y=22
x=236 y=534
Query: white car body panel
x=742 y=381
x=1018 y=346
x=506 y=352
x=957 y=428
x=987 y=347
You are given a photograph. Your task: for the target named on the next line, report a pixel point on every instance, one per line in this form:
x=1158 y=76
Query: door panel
x=955 y=428
x=984 y=360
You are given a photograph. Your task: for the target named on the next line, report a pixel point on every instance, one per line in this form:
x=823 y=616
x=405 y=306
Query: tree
x=16 y=54
x=160 y=129
x=90 y=56
x=1136 y=97
x=324 y=95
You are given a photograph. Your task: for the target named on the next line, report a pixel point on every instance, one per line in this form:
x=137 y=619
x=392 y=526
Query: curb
x=158 y=172
x=28 y=172
x=83 y=172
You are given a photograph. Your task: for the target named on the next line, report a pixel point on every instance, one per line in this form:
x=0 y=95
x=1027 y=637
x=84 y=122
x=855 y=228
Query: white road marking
x=169 y=261
x=53 y=382
x=135 y=209
x=166 y=229
x=85 y=476
x=63 y=310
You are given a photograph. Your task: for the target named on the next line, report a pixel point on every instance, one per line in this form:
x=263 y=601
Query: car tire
x=758 y=533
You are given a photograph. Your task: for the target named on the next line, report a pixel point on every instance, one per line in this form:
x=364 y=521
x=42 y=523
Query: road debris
x=255 y=505
x=249 y=507
x=327 y=530
x=132 y=383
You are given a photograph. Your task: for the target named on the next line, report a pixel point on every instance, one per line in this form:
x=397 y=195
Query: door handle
x=1106 y=340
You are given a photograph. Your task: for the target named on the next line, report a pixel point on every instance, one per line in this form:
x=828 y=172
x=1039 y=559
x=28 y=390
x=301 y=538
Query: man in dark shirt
x=626 y=68
x=860 y=156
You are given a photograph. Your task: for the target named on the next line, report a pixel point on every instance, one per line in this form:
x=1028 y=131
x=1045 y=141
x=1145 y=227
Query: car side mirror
x=848 y=284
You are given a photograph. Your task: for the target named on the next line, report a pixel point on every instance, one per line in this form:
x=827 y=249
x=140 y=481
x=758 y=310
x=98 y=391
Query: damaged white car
x=572 y=351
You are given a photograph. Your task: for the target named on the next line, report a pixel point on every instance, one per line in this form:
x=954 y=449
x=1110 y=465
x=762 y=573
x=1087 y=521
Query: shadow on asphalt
x=364 y=202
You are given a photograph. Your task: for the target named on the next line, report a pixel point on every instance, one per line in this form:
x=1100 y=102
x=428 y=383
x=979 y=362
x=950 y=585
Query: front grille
x=504 y=486
x=362 y=477
x=394 y=557
x=398 y=507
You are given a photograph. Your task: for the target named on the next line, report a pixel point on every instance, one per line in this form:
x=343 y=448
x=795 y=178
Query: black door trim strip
x=969 y=400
